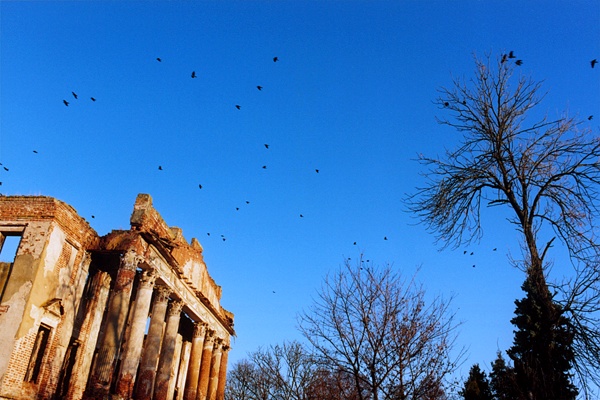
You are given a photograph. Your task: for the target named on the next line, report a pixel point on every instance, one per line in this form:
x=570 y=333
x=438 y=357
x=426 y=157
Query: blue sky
x=351 y=95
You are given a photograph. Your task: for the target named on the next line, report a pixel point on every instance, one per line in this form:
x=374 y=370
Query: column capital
x=162 y=293
x=148 y=278
x=199 y=329
x=175 y=307
x=130 y=260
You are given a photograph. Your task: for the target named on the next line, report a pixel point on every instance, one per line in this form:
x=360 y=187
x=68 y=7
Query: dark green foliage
x=542 y=352
x=477 y=385
x=503 y=381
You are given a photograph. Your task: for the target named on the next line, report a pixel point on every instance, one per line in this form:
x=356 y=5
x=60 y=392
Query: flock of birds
x=194 y=75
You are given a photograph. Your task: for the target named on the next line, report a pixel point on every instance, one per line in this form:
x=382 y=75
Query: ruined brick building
x=133 y=314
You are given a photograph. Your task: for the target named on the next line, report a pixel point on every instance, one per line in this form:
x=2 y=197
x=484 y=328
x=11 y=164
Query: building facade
x=130 y=315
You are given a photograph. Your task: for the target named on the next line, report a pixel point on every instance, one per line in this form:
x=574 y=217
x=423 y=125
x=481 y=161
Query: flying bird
x=301 y=216
x=158 y=59
x=238 y=106
x=208 y=233
x=504 y=57
x=199 y=186
x=264 y=167
x=93 y=216
x=237 y=209
x=93 y=99
x=35 y=151
x=594 y=62
x=6 y=169
x=317 y=171
x=247 y=202
x=590 y=117
x=275 y=59
x=495 y=248
x=519 y=62
x=74 y=95
x=471 y=253
x=266 y=146
x=465 y=252
x=511 y=54
x=193 y=74
x=446 y=104
x=354 y=243
x=160 y=168
x=385 y=238
x=259 y=87
x=66 y=103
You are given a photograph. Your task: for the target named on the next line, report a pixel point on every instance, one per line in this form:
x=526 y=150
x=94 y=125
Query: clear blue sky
x=351 y=95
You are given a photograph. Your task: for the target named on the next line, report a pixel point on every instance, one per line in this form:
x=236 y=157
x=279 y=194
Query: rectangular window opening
x=10 y=245
x=37 y=354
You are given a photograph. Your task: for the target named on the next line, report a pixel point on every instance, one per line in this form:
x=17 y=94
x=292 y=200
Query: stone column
x=183 y=369
x=222 y=373
x=95 y=306
x=116 y=316
x=133 y=346
x=215 y=366
x=152 y=345
x=175 y=366
x=207 y=350
x=167 y=350
x=191 y=385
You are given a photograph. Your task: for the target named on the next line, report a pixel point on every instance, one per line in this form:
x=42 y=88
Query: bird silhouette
x=317 y=171
x=471 y=253
x=511 y=54
x=594 y=62
x=301 y=216
x=74 y=95
x=519 y=62
x=237 y=209
x=446 y=104
x=259 y=87
x=354 y=243
x=247 y=202
x=275 y=59
x=208 y=233
x=93 y=216
x=238 y=106
x=193 y=74
x=224 y=239
x=35 y=151
x=385 y=238
x=93 y=99
x=6 y=169
x=66 y=103
x=504 y=57
x=465 y=252
x=266 y=146
x=160 y=168
x=590 y=117
x=264 y=167
x=495 y=248
x=199 y=186
x=158 y=59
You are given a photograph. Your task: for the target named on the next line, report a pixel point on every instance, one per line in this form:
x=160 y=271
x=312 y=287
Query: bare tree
x=290 y=368
x=546 y=171
x=280 y=372
x=378 y=328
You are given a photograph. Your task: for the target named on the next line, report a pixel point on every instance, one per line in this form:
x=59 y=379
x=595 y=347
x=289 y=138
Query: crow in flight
x=264 y=167
x=66 y=103
x=200 y=186
x=193 y=74
x=158 y=59
x=504 y=57
x=275 y=59
x=317 y=171
x=266 y=146
x=93 y=99
x=259 y=87
x=519 y=62
x=511 y=54
x=74 y=95
x=590 y=117
x=594 y=62
x=160 y=168
x=238 y=106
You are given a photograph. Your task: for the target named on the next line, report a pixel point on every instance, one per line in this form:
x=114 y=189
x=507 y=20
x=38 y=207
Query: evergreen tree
x=503 y=381
x=477 y=385
x=542 y=351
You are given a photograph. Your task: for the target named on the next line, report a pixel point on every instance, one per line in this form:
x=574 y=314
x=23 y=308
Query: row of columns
x=163 y=363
